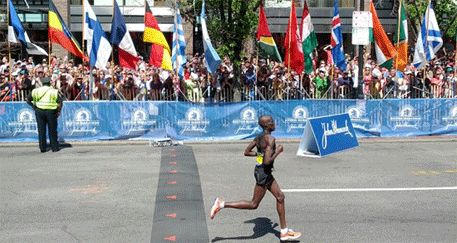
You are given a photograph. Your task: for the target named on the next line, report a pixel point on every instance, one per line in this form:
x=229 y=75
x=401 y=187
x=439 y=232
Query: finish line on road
x=179 y=215
x=372 y=189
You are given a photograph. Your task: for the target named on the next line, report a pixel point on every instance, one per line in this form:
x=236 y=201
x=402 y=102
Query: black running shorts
x=262 y=178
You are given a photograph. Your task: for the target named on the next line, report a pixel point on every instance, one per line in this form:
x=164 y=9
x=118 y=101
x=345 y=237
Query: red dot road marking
x=173 y=163
x=172 y=182
x=171 y=238
x=173 y=215
x=172 y=149
x=171 y=197
x=172 y=155
x=172 y=171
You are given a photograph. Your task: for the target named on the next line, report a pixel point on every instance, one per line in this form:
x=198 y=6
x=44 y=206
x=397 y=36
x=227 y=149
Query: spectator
x=320 y=84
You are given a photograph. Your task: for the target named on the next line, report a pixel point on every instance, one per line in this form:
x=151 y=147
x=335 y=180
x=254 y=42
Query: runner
x=266 y=154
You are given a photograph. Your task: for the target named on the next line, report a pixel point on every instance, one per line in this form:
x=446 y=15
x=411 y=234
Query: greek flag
x=178 y=52
x=212 y=58
x=98 y=46
x=426 y=48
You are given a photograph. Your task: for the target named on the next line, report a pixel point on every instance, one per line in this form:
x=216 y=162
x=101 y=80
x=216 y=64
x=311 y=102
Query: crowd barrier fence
x=108 y=120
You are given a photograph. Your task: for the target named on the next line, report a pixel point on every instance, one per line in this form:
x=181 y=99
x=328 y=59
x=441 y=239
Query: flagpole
x=289 y=27
x=9 y=45
x=84 y=23
x=426 y=47
x=398 y=40
x=112 y=44
x=49 y=42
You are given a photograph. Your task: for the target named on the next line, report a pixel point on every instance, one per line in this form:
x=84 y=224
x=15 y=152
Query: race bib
x=259 y=159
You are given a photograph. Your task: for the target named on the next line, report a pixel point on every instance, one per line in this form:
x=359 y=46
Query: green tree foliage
x=229 y=22
x=445 y=11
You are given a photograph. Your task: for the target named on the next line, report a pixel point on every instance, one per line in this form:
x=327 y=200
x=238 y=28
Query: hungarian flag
x=59 y=33
x=385 y=51
x=293 y=45
x=308 y=38
x=401 y=39
x=267 y=45
x=160 y=50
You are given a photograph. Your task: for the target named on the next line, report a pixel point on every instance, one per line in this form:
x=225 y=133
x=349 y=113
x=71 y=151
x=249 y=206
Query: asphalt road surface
x=382 y=191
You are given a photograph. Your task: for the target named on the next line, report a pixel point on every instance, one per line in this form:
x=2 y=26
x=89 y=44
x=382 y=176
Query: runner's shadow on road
x=262 y=226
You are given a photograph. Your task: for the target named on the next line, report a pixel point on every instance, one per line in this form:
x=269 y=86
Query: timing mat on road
x=179 y=214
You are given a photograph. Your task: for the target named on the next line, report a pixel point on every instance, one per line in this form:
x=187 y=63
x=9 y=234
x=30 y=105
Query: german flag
x=59 y=33
x=152 y=33
x=160 y=50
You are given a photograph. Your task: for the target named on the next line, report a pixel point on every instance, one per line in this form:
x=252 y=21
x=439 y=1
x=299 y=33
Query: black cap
x=46 y=80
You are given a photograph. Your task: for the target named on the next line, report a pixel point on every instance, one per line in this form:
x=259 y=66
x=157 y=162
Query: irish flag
x=267 y=45
x=401 y=39
x=308 y=37
x=385 y=51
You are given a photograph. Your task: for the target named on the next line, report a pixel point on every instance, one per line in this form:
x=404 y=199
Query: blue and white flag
x=426 y=48
x=98 y=46
x=336 y=40
x=178 y=52
x=212 y=58
x=17 y=33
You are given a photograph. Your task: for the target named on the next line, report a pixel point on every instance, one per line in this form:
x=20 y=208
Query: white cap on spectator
x=108 y=76
x=367 y=65
x=408 y=72
x=322 y=70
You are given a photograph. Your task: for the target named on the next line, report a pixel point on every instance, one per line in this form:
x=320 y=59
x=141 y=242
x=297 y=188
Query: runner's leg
x=280 y=205
x=259 y=192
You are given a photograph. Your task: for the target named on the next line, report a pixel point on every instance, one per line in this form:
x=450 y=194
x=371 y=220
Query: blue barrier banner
x=105 y=120
x=327 y=135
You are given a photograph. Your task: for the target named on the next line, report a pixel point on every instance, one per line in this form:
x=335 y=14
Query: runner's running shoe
x=216 y=207
x=290 y=235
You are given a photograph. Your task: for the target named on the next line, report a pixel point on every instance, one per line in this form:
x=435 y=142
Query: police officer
x=47 y=104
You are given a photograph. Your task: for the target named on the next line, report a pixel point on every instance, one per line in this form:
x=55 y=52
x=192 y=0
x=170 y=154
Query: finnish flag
x=98 y=46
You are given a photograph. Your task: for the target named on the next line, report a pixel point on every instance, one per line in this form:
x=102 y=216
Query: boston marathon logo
x=82 y=123
x=451 y=119
x=406 y=118
x=333 y=129
x=248 y=122
x=195 y=121
x=138 y=122
x=357 y=119
x=298 y=120
x=25 y=122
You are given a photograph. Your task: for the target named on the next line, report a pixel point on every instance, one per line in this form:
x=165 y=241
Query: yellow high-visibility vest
x=45 y=98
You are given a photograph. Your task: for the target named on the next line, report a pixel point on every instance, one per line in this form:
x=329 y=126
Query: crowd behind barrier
x=257 y=80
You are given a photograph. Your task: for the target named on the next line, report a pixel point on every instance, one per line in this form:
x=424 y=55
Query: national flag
x=308 y=38
x=336 y=40
x=120 y=36
x=385 y=51
x=152 y=33
x=401 y=39
x=16 y=31
x=98 y=46
x=267 y=45
x=178 y=56
x=160 y=50
x=59 y=33
x=212 y=58
x=427 y=45
x=294 y=49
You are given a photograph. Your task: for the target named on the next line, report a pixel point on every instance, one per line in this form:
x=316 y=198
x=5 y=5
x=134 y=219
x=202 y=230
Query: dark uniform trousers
x=47 y=118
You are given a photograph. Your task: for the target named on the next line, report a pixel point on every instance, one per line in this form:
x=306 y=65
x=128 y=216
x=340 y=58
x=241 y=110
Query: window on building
x=330 y=3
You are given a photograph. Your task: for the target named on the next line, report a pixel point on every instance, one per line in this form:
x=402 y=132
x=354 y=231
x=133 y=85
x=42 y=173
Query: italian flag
x=267 y=45
x=401 y=39
x=309 y=40
x=385 y=51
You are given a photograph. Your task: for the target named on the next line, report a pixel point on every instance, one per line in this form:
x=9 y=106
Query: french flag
x=120 y=36
x=337 y=40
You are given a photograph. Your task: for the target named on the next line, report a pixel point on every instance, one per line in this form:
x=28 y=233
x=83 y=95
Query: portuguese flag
x=59 y=33
x=267 y=45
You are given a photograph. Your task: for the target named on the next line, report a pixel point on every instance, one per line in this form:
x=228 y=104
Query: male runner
x=266 y=154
